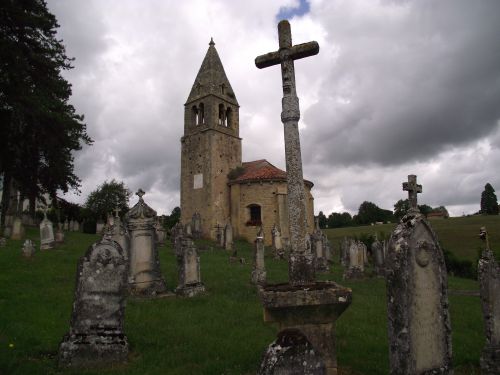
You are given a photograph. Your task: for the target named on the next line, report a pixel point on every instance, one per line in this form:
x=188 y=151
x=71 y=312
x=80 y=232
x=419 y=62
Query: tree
x=339 y=220
x=106 y=198
x=174 y=217
x=40 y=129
x=402 y=206
x=322 y=220
x=489 y=204
x=369 y=213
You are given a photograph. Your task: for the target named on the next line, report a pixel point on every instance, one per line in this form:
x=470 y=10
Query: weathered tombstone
x=259 y=266
x=489 y=284
x=145 y=274
x=319 y=249
x=28 y=249
x=47 y=240
x=161 y=235
x=59 y=237
x=306 y=310
x=220 y=235
x=364 y=252
x=17 y=228
x=196 y=225
x=96 y=336
x=356 y=268
x=277 y=243
x=327 y=249
x=3 y=242
x=118 y=232
x=228 y=237
x=99 y=229
x=345 y=246
x=187 y=230
x=66 y=225
x=417 y=301
x=378 y=256
x=188 y=263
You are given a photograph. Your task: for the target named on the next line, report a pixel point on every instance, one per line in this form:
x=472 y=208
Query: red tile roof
x=259 y=170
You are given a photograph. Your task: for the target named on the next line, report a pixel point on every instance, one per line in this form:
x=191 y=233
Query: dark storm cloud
x=408 y=84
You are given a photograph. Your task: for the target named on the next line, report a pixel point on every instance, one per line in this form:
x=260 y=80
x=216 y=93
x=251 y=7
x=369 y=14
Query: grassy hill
x=221 y=332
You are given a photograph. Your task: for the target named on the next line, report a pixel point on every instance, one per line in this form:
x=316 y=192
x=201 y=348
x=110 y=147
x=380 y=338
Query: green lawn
x=221 y=332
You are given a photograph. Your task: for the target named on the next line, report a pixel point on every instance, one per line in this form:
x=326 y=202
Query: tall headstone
x=188 y=263
x=378 y=257
x=28 y=249
x=96 y=336
x=118 y=232
x=417 y=300
x=489 y=284
x=18 y=230
x=319 y=249
x=66 y=225
x=47 y=240
x=259 y=266
x=345 y=246
x=99 y=229
x=145 y=274
x=305 y=309
x=228 y=237
x=196 y=225
x=161 y=234
x=220 y=235
x=59 y=236
x=356 y=268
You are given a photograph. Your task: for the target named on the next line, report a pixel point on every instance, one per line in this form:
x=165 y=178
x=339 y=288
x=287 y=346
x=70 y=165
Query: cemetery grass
x=221 y=332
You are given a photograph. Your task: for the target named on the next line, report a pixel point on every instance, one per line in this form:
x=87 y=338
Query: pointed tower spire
x=211 y=78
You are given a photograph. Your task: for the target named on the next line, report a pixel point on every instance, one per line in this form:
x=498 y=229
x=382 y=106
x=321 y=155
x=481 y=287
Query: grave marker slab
x=189 y=269
x=47 y=240
x=28 y=250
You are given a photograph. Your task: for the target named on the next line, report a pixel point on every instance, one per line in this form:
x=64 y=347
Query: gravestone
x=145 y=274
x=196 y=225
x=161 y=235
x=59 y=237
x=345 y=246
x=419 y=327
x=28 y=249
x=259 y=266
x=356 y=268
x=228 y=237
x=3 y=242
x=327 y=249
x=118 y=232
x=277 y=243
x=305 y=309
x=188 y=263
x=99 y=229
x=66 y=225
x=378 y=257
x=47 y=240
x=319 y=249
x=96 y=336
x=219 y=235
x=489 y=284
x=18 y=230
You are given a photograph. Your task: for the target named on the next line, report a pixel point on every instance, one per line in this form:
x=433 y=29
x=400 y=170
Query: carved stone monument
x=356 y=268
x=228 y=237
x=188 y=263
x=28 y=249
x=161 y=235
x=47 y=240
x=145 y=274
x=259 y=267
x=96 y=336
x=305 y=310
x=319 y=249
x=118 y=232
x=277 y=243
x=417 y=301
x=378 y=257
x=489 y=283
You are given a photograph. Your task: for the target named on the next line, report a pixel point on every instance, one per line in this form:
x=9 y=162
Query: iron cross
x=413 y=189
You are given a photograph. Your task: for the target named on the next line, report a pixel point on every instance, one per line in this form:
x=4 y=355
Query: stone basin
x=315 y=303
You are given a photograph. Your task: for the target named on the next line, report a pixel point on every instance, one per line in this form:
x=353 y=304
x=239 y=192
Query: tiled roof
x=259 y=170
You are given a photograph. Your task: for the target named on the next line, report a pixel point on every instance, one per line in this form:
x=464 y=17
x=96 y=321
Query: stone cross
x=301 y=268
x=117 y=211
x=140 y=193
x=413 y=189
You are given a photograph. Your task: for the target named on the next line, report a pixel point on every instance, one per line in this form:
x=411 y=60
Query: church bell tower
x=210 y=146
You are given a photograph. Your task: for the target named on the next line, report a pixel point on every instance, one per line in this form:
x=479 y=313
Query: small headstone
x=3 y=242
x=96 y=336
x=228 y=237
x=378 y=256
x=145 y=274
x=59 y=234
x=66 y=225
x=47 y=240
x=278 y=250
x=356 y=268
x=17 y=229
x=188 y=263
x=99 y=229
x=259 y=267
x=419 y=327
x=161 y=234
x=489 y=283
x=28 y=249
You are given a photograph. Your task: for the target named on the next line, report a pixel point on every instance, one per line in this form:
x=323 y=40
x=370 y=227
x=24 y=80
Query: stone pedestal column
x=259 y=267
x=145 y=274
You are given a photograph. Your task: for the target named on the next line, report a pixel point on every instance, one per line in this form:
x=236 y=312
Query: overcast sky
x=398 y=88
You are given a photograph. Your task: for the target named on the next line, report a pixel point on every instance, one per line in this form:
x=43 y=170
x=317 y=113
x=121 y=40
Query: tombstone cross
x=117 y=211
x=140 y=193
x=300 y=269
x=413 y=189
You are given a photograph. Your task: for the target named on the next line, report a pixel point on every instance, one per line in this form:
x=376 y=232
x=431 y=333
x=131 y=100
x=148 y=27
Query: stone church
x=214 y=181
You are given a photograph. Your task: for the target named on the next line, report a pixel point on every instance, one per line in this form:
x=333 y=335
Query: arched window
x=254 y=215
x=229 y=118
x=222 y=115
x=195 y=115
